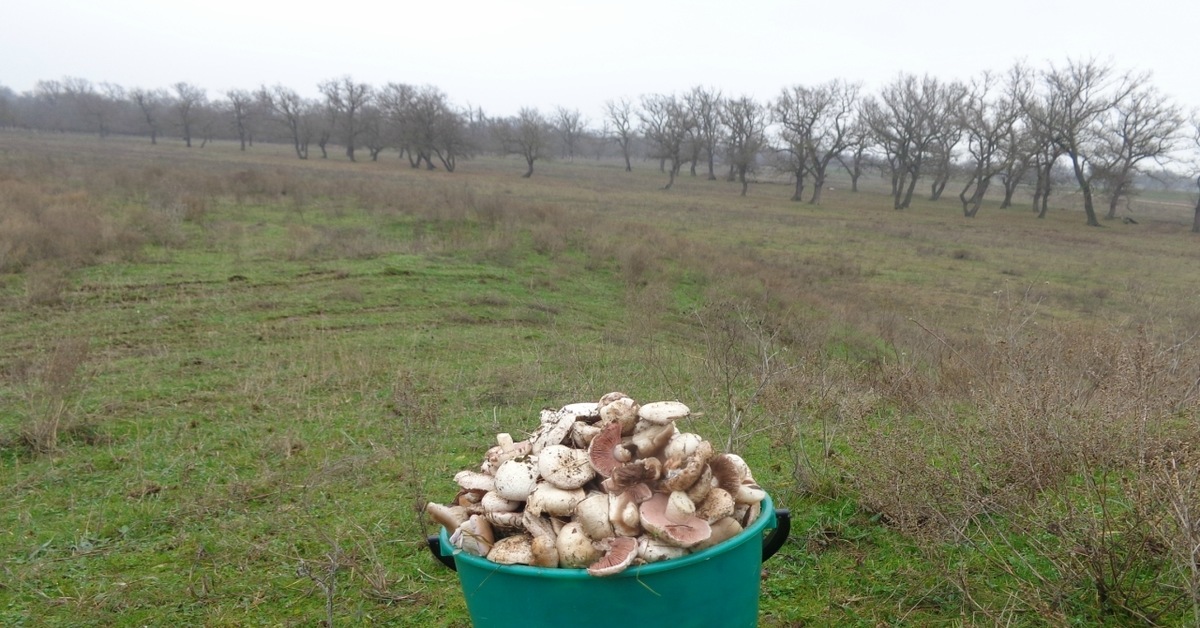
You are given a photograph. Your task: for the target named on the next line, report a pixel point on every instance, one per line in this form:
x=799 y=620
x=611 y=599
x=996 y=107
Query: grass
x=229 y=381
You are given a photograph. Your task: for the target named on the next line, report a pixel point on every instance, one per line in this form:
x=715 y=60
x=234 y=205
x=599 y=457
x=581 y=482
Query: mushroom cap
x=544 y=551
x=475 y=481
x=700 y=489
x=474 y=536
x=493 y=502
x=587 y=410
x=749 y=493
x=619 y=554
x=449 y=517
x=548 y=498
x=718 y=505
x=565 y=467
x=680 y=507
x=515 y=479
x=575 y=547
x=687 y=471
x=624 y=515
x=687 y=534
x=650 y=438
x=663 y=411
x=554 y=429
x=682 y=445
x=512 y=550
x=722 y=530
x=726 y=473
x=592 y=515
x=602 y=450
x=623 y=411
x=653 y=550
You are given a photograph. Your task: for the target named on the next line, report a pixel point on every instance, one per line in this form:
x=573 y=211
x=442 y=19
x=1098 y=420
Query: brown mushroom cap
x=718 y=505
x=654 y=519
x=623 y=411
x=621 y=550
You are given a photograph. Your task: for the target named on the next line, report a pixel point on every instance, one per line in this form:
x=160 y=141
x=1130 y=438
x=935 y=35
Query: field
x=230 y=381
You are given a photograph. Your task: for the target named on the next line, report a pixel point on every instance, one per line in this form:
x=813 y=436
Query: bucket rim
x=766 y=520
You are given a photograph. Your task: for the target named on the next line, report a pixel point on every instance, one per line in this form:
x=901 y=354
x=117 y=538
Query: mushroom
x=554 y=429
x=544 y=546
x=592 y=515
x=685 y=534
x=619 y=408
x=512 y=550
x=653 y=550
x=650 y=438
x=515 y=479
x=682 y=445
x=619 y=554
x=504 y=450
x=699 y=491
x=606 y=452
x=475 y=481
x=474 y=536
x=623 y=514
x=493 y=502
x=722 y=530
x=565 y=467
x=575 y=547
x=682 y=473
x=680 y=508
x=582 y=434
x=718 y=505
x=548 y=498
x=450 y=517
x=663 y=412
x=586 y=411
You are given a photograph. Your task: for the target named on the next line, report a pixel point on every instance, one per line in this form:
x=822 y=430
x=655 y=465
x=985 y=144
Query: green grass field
x=230 y=381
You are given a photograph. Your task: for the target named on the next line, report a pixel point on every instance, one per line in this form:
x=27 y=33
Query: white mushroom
x=548 y=498
x=653 y=550
x=512 y=550
x=663 y=412
x=592 y=516
x=515 y=479
x=565 y=467
x=575 y=547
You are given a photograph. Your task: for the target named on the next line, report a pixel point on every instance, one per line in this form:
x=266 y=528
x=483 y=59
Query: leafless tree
x=988 y=121
x=704 y=105
x=746 y=121
x=1070 y=112
x=95 y=105
x=240 y=104
x=1194 y=127
x=823 y=116
x=292 y=112
x=189 y=99
x=620 y=115
x=1142 y=126
x=150 y=103
x=570 y=125
x=910 y=120
x=345 y=99
x=858 y=142
x=666 y=123
x=527 y=135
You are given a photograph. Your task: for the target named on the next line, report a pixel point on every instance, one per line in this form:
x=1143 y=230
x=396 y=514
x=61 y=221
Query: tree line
x=1081 y=124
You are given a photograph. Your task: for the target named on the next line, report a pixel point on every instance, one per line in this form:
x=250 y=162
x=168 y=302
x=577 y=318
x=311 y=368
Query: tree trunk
x=1196 y=213
x=818 y=185
x=625 y=153
x=938 y=186
x=745 y=184
x=1010 y=186
x=798 y=195
x=1085 y=186
x=675 y=166
x=153 y=136
x=528 y=173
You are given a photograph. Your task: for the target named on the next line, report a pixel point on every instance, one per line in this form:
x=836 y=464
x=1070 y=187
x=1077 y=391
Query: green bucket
x=717 y=586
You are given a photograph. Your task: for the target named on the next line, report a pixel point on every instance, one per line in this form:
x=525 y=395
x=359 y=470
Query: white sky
x=546 y=53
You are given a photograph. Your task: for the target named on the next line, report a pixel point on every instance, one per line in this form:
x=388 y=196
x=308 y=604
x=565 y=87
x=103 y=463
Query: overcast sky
x=546 y=53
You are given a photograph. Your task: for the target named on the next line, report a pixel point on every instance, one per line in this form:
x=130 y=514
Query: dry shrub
x=51 y=394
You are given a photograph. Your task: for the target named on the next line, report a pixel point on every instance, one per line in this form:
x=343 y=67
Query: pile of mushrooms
x=600 y=486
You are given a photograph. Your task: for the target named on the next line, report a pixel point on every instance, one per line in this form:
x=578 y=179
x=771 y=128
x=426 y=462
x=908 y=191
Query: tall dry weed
x=51 y=393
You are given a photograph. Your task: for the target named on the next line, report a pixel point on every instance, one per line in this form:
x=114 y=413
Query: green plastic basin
x=718 y=586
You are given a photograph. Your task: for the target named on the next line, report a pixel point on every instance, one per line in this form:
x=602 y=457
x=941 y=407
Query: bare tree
x=527 y=135
x=910 y=121
x=704 y=105
x=1142 y=126
x=292 y=112
x=94 y=105
x=240 y=104
x=988 y=121
x=833 y=107
x=667 y=123
x=345 y=100
x=858 y=142
x=570 y=127
x=1070 y=112
x=620 y=114
x=188 y=101
x=746 y=121
x=150 y=104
